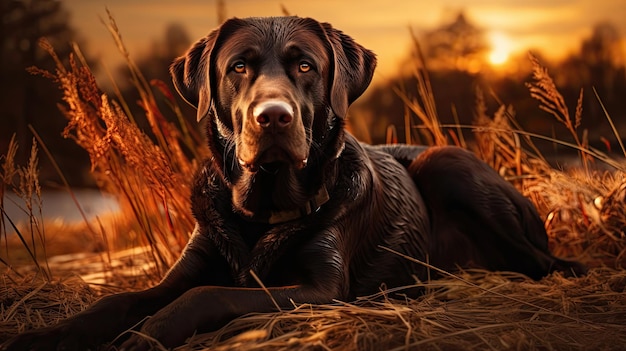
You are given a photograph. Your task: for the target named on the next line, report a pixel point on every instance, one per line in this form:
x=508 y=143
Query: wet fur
x=438 y=204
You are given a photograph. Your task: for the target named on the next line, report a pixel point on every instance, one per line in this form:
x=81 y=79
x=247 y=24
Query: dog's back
x=291 y=200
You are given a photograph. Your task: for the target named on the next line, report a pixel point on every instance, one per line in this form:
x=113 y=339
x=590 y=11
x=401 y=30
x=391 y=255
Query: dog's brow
x=295 y=50
x=299 y=48
x=240 y=47
x=248 y=53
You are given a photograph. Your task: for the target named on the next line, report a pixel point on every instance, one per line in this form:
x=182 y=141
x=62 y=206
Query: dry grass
x=472 y=310
x=124 y=159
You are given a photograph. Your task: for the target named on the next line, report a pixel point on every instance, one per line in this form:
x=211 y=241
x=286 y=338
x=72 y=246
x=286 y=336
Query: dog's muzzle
x=275 y=138
x=273 y=115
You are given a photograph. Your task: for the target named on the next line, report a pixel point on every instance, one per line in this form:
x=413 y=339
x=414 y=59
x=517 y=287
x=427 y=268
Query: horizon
x=555 y=30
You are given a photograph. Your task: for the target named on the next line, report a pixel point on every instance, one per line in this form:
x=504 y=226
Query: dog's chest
x=269 y=252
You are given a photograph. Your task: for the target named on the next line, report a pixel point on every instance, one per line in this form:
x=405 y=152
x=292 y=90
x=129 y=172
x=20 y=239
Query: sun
x=501 y=47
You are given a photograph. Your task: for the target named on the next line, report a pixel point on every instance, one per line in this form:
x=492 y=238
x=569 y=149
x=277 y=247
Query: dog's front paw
x=160 y=332
x=141 y=342
x=60 y=337
x=37 y=340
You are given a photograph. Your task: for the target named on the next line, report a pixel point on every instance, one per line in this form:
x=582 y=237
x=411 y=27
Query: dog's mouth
x=273 y=159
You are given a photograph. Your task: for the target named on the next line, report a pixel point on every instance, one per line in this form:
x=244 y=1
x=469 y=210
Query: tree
x=459 y=45
x=603 y=48
x=599 y=65
x=155 y=67
x=175 y=42
x=454 y=54
x=32 y=100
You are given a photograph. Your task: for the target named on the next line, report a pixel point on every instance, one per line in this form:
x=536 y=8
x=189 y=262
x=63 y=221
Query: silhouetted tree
x=32 y=100
x=459 y=45
x=175 y=42
x=598 y=65
x=453 y=53
x=155 y=66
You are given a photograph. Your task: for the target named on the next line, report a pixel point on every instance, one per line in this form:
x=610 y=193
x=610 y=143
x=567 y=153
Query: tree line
x=455 y=57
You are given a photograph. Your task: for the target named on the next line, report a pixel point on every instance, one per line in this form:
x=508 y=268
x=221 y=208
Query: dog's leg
x=101 y=322
x=114 y=314
x=480 y=219
x=208 y=308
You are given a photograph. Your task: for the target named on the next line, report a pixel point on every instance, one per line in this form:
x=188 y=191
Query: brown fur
x=275 y=93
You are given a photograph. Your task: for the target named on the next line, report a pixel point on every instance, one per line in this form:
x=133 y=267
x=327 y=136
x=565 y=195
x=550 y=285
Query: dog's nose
x=273 y=114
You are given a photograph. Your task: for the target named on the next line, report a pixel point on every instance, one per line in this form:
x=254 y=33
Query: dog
x=289 y=198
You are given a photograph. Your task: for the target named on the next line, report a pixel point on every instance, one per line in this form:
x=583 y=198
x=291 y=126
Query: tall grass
x=150 y=177
x=24 y=182
x=584 y=210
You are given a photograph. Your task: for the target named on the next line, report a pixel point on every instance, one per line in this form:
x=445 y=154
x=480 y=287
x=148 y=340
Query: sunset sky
x=555 y=27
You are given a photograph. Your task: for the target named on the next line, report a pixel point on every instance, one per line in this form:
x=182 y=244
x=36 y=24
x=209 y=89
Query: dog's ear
x=191 y=77
x=193 y=74
x=353 y=68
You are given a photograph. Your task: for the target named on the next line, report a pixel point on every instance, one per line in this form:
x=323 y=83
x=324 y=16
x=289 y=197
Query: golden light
x=501 y=47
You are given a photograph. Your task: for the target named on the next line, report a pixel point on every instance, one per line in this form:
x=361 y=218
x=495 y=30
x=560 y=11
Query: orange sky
x=555 y=27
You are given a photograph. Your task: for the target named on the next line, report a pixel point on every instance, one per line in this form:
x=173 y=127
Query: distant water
x=59 y=205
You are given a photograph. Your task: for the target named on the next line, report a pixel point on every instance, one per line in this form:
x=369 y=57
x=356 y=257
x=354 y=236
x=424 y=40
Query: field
x=584 y=208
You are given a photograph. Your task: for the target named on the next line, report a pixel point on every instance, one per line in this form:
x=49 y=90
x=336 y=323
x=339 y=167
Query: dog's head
x=276 y=92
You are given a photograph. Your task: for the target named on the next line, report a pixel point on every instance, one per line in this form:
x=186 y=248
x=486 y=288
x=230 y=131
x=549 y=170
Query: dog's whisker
x=345 y=239
x=265 y=169
x=229 y=154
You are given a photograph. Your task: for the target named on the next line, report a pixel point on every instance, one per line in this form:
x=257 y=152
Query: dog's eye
x=239 y=67
x=304 y=67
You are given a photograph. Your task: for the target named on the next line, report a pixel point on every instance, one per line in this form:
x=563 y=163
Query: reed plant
x=470 y=310
x=150 y=177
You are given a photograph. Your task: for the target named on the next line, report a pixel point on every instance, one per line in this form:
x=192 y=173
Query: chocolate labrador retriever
x=290 y=197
